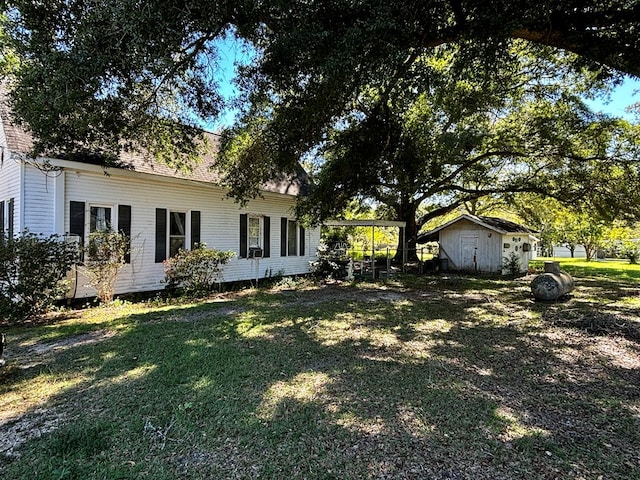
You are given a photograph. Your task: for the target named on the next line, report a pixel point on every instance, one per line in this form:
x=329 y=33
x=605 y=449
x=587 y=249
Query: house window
x=6 y=217
x=100 y=219
x=177 y=235
x=175 y=231
x=292 y=238
x=254 y=232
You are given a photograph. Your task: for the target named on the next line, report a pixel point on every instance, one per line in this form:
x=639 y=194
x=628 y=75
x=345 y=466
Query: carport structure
x=373 y=224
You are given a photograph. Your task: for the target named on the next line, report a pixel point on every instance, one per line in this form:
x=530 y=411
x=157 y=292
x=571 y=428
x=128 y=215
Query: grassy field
x=441 y=377
x=579 y=267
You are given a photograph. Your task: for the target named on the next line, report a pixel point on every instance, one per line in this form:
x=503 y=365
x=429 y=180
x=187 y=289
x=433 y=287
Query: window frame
x=112 y=217
x=185 y=236
x=260 y=239
x=292 y=238
x=290 y=228
x=192 y=230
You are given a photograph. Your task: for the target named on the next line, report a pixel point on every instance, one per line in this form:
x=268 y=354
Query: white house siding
x=220 y=223
x=513 y=243
x=11 y=170
x=39 y=200
x=488 y=248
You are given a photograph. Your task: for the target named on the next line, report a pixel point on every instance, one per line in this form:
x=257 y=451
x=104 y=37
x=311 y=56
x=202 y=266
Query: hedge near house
x=33 y=270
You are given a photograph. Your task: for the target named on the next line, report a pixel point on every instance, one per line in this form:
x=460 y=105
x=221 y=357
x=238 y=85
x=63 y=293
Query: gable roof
x=499 y=225
x=21 y=141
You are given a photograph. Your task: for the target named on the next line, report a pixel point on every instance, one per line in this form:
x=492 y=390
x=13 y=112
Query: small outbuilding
x=481 y=244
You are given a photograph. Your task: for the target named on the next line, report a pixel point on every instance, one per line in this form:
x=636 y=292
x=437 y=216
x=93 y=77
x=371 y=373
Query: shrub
x=33 y=271
x=330 y=264
x=196 y=271
x=511 y=264
x=630 y=250
x=104 y=257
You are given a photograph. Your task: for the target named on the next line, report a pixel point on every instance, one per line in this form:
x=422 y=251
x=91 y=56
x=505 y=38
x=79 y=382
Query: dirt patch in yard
x=14 y=433
x=16 y=426
x=25 y=355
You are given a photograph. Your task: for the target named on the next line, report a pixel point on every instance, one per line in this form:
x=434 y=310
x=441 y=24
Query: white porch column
x=58 y=203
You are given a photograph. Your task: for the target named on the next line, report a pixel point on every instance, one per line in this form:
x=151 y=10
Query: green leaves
x=104 y=258
x=33 y=271
x=115 y=76
x=196 y=271
x=102 y=78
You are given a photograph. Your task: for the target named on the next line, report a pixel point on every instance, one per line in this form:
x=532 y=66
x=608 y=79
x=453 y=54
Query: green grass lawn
x=579 y=267
x=423 y=377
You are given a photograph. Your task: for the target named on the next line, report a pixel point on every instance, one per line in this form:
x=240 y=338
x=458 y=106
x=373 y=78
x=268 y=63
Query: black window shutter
x=266 y=241
x=124 y=227
x=302 y=242
x=2 y=218
x=161 y=234
x=244 y=234
x=11 y=203
x=76 y=220
x=195 y=228
x=283 y=236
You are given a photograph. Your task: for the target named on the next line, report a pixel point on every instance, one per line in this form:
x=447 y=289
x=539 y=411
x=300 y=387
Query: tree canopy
x=408 y=101
x=100 y=73
x=459 y=136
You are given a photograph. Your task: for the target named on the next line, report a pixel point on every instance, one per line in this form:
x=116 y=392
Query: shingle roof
x=505 y=226
x=496 y=224
x=18 y=140
x=21 y=141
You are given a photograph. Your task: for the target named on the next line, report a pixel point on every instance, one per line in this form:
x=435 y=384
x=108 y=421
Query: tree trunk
x=589 y=251
x=407 y=213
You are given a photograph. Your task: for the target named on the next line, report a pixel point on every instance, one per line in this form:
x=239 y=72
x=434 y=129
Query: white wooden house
x=480 y=244
x=162 y=210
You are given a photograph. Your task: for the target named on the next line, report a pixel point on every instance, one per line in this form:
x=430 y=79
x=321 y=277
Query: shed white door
x=468 y=252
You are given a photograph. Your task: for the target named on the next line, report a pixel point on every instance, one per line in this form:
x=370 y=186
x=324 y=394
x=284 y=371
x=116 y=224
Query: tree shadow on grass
x=336 y=389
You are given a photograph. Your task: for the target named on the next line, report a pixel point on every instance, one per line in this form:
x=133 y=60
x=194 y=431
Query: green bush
x=330 y=264
x=512 y=264
x=630 y=250
x=33 y=270
x=195 y=272
x=104 y=257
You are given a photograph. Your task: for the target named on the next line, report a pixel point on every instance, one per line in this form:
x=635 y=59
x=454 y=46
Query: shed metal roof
x=499 y=225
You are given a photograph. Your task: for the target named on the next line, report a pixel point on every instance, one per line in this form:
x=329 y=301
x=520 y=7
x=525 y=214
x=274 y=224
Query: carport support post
x=405 y=246
x=373 y=251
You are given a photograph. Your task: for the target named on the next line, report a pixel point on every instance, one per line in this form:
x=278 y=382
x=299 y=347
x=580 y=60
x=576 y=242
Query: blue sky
x=232 y=51
x=622 y=97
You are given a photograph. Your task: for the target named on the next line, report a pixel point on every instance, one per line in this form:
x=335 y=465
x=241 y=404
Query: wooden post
x=388 y=263
x=373 y=251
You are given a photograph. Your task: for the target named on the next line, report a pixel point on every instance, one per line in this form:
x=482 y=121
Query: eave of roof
x=21 y=142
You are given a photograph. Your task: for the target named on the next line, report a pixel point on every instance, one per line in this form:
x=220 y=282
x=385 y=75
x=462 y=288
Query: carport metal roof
x=364 y=223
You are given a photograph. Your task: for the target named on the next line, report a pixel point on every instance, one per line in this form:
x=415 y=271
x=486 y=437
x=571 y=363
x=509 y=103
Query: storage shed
x=480 y=244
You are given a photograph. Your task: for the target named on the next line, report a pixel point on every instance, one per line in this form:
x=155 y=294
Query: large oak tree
x=452 y=136
x=111 y=74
